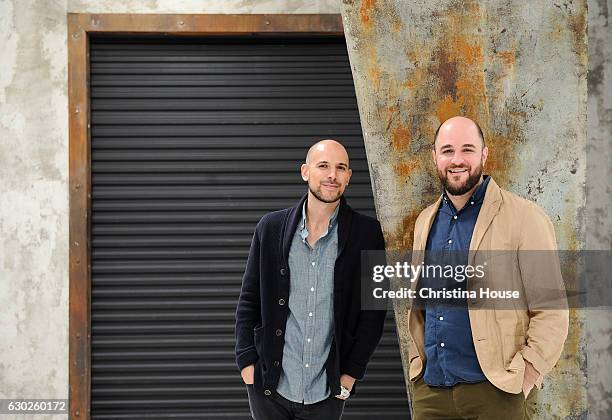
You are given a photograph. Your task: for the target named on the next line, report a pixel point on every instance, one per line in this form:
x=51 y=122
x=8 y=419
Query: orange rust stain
x=365 y=10
x=507 y=57
x=471 y=94
x=405 y=168
x=415 y=79
x=374 y=73
x=409 y=84
x=502 y=157
x=402 y=237
x=448 y=108
x=401 y=137
x=391 y=110
x=578 y=24
x=419 y=53
x=471 y=53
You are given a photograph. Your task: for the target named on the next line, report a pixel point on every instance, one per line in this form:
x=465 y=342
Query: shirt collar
x=332 y=221
x=478 y=195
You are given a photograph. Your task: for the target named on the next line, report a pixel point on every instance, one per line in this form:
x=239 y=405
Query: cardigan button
x=279 y=332
x=283 y=271
x=267 y=392
x=281 y=302
x=276 y=363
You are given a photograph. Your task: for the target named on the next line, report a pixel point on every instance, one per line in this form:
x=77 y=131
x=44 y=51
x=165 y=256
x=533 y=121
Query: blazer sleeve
x=368 y=331
x=248 y=313
x=545 y=292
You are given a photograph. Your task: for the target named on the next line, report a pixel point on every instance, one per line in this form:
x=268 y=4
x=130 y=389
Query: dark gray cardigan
x=262 y=309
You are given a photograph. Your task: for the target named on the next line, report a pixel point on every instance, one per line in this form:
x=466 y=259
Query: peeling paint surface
x=519 y=69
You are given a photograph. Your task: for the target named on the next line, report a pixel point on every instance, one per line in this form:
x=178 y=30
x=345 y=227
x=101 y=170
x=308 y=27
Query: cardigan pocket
x=259 y=339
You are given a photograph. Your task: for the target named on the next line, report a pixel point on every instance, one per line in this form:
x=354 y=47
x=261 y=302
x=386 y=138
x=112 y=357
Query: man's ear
x=433 y=156
x=304 y=171
x=485 y=154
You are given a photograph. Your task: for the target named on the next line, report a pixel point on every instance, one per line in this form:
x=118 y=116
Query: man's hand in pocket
x=247 y=374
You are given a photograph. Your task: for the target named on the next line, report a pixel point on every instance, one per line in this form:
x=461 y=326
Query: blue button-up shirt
x=309 y=328
x=451 y=357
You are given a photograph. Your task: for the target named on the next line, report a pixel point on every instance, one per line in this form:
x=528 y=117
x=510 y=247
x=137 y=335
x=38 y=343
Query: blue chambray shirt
x=450 y=352
x=309 y=328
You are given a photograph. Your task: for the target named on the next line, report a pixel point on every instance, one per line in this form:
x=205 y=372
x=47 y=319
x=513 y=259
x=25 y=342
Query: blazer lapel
x=490 y=208
x=420 y=235
x=428 y=219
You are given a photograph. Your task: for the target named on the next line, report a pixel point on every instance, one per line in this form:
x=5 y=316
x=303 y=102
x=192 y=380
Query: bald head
x=459 y=127
x=326 y=170
x=327 y=146
x=460 y=155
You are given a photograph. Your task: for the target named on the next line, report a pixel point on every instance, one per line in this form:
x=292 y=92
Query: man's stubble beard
x=463 y=188
x=319 y=196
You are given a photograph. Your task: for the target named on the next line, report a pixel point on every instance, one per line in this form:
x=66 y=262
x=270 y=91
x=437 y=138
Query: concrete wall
x=599 y=199
x=34 y=178
x=520 y=69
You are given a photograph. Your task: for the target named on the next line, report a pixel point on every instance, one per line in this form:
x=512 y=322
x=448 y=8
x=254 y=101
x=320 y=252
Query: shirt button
x=441 y=318
x=472 y=203
x=455 y=217
x=441 y=344
x=279 y=332
x=312 y=289
x=450 y=241
x=308 y=339
x=281 y=302
x=306 y=365
x=310 y=314
x=313 y=263
x=267 y=392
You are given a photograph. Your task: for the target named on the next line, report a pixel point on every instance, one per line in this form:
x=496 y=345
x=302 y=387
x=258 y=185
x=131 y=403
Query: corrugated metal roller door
x=193 y=140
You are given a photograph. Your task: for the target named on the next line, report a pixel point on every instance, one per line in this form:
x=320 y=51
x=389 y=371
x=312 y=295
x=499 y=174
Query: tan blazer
x=503 y=339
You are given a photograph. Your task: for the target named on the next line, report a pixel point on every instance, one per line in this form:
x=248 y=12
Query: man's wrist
x=347 y=381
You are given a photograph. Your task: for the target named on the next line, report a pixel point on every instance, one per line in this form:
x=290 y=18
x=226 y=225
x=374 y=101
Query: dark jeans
x=482 y=401
x=276 y=407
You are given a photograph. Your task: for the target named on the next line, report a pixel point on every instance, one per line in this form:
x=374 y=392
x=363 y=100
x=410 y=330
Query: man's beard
x=461 y=189
x=319 y=196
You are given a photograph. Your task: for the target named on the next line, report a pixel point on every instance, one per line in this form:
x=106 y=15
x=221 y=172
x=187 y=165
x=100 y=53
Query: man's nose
x=458 y=159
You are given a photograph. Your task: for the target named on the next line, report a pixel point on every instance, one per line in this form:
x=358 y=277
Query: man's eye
x=447 y=151
x=322 y=166
x=341 y=168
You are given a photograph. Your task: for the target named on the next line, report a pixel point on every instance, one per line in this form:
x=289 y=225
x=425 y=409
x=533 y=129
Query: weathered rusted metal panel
x=517 y=67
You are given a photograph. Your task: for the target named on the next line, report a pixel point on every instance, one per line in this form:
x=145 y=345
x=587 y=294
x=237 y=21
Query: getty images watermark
x=501 y=279
x=459 y=273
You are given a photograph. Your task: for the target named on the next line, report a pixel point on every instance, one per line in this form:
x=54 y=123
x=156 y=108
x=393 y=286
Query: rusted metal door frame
x=80 y=27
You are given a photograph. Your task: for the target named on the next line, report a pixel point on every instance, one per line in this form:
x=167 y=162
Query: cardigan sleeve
x=248 y=313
